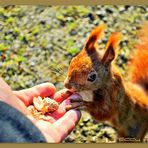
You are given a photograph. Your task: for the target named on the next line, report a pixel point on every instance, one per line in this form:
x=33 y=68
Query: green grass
x=37 y=43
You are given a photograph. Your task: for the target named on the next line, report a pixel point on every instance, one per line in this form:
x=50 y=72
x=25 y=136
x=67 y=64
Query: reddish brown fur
x=95 y=35
x=125 y=104
x=139 y=62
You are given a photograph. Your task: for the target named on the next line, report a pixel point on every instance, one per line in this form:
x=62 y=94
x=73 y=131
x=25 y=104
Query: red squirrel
x=105 y=94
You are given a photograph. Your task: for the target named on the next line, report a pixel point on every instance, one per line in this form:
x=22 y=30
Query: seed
x=50 y=105
x=42 y=106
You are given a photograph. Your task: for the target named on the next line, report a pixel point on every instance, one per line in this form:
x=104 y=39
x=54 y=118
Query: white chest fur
x=87 y=95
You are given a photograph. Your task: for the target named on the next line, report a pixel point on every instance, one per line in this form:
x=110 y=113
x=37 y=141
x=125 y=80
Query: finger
x=61 y=95
x=67 y=123
x=77 y=98
x=62 y=108
x=43 y=90
x=70 y=99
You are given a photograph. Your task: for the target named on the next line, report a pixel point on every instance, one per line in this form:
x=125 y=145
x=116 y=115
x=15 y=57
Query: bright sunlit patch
x=87 y=95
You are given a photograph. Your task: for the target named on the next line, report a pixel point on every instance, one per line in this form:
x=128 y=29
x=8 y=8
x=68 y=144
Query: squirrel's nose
x=67 y=84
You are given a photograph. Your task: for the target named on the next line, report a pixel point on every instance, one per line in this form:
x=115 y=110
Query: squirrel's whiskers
x=106 y=95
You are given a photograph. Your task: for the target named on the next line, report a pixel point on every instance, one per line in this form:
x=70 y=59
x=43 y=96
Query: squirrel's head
x=90 y=69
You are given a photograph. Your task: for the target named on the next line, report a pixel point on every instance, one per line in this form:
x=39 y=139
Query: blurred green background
x=37 y=43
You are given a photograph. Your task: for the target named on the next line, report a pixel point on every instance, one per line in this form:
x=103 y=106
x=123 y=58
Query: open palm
x=62 y=122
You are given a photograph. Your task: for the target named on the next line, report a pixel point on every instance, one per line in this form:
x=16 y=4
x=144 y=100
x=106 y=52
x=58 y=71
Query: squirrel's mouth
x=72 y=86
x=73 y=90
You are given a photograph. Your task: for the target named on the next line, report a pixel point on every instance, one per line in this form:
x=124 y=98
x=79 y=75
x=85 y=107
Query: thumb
x=67 y=123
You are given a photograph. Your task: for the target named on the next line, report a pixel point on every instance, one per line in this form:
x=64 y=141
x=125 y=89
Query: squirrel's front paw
x=75 y=103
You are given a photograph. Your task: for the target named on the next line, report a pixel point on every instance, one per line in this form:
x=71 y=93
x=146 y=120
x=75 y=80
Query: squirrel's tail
x=138 y=65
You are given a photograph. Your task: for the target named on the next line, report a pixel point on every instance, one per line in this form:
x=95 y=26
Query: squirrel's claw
x=75 y=104
x=75 y=100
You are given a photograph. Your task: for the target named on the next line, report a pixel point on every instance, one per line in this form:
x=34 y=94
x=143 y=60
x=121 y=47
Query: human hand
x=61 y=123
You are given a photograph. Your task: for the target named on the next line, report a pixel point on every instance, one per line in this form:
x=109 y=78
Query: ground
x=37 y=43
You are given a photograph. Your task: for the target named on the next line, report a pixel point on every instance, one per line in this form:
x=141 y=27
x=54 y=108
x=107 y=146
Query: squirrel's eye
x=92 y=77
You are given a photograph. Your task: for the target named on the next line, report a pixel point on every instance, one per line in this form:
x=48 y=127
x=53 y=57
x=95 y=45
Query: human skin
x=62 y=122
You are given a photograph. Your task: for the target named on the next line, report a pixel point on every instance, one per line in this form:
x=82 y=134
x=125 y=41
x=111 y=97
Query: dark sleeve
x=15 y=127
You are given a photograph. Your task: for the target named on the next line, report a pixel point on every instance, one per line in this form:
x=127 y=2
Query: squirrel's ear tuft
x=111 y=46
x=94 y=36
